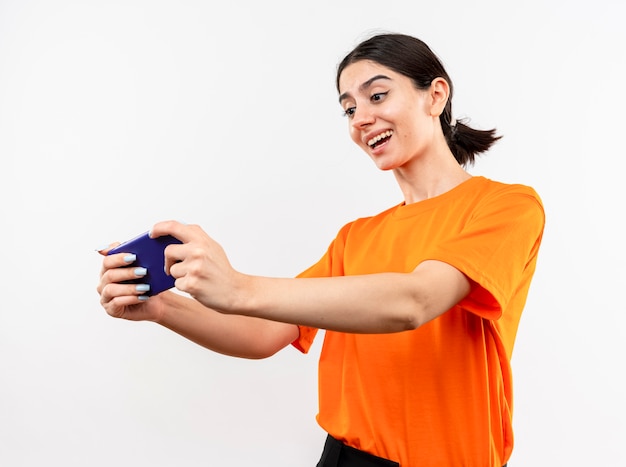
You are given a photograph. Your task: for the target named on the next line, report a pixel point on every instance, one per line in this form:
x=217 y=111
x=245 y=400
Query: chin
x=384 y=165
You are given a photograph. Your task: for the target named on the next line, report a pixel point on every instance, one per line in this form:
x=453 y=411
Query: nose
x=362 y=118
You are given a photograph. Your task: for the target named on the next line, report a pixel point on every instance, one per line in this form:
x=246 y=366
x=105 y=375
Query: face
x=389 y=118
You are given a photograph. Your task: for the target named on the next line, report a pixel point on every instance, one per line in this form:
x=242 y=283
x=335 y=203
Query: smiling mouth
x=379 y=139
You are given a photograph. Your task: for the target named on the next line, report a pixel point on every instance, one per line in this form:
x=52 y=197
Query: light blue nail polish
x=142 y=287
x=143 y=298
x=130 y=258
x=141 y=271
x=102 y=247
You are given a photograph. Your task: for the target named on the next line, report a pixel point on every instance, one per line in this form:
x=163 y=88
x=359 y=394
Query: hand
x=200 y=266
x=125 y=300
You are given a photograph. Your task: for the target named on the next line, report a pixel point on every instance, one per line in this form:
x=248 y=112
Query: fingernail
x=130 y=258
x=143 y=298
x=102 y=247
x=141 y=271
x=142 y=287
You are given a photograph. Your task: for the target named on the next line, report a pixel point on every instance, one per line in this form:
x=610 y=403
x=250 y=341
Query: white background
x=115 y=115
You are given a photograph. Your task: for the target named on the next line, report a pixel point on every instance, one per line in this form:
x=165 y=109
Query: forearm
x=357 y=304
x=234 y=335
x=375 y=303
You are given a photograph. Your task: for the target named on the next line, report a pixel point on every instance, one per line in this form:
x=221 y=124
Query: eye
x=379 y=96
x=349 y=112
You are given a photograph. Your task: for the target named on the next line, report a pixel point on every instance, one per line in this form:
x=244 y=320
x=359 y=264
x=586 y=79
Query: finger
x=120 y=274
x=117 y=260
x=126 y=307
x=174 y=228
x=177 y=269
x=104 y=250
x=174 y=253
x=123 y=293
x=124 y=274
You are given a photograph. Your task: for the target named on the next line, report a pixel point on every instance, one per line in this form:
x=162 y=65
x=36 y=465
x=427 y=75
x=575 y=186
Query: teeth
x=377 y=138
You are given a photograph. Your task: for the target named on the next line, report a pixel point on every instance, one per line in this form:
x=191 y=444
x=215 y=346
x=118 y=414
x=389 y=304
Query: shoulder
x=516 y=205
x=494 y=187
x=492 y=191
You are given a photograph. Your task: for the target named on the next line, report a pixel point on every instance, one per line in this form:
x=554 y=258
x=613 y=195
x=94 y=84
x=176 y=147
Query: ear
x=439 y=93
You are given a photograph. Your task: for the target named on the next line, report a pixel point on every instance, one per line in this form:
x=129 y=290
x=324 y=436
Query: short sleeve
x=497 y=248
x=331 y=264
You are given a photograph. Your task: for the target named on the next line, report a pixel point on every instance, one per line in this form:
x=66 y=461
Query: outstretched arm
x=375 y=303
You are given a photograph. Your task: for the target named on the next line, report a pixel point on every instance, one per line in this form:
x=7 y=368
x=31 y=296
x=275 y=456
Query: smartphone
x=150 y=254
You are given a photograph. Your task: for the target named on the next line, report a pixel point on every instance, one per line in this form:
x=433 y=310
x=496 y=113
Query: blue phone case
x=150 y=255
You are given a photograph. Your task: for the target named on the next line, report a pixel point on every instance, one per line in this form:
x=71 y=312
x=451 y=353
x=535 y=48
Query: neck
x=426 y=179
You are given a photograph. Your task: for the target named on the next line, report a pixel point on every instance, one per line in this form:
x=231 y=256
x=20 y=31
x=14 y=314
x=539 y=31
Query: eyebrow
x=363 y=86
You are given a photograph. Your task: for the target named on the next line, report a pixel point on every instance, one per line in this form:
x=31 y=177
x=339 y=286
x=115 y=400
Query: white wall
x=115 y=115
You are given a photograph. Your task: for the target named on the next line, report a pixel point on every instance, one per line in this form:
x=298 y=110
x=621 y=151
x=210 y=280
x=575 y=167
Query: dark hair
x=412 y=58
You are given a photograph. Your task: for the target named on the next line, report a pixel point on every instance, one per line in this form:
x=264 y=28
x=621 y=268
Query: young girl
x=420 y=303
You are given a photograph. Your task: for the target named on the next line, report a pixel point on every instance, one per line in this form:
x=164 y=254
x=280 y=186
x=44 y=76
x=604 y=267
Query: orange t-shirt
x=440 y=395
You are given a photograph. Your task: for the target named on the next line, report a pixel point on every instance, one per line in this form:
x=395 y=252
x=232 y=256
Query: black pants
x=337 y=454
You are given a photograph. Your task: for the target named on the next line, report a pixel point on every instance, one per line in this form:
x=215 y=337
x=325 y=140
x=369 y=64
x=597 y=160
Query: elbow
x=253 y=353
x=262 y=353
x=411 y=320
x=417 y=314
x=411 y=324
x=272 y=338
